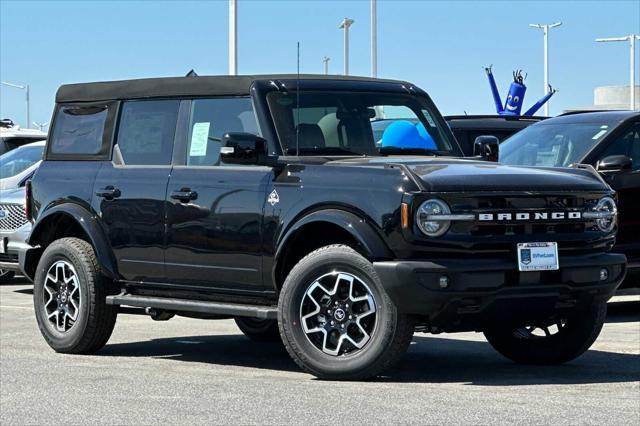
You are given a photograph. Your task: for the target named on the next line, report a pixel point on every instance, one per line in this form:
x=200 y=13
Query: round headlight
x=427 y=217
x=607 y=221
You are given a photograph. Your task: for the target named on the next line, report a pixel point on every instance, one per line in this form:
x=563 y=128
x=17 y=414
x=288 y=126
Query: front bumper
x=13 y=247
x=485 y=291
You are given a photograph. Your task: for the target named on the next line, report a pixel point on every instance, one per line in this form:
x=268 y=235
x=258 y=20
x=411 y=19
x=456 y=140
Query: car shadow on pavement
x=235 y=349
x=442 y=360
x=429 y=360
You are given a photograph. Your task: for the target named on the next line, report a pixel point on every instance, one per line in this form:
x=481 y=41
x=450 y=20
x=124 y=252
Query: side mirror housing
x=614 y=163
x=487 y=147
x=243 y=148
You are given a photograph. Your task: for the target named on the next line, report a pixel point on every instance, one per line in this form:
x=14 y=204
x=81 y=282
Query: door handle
x=184 y=195
x=108 y=192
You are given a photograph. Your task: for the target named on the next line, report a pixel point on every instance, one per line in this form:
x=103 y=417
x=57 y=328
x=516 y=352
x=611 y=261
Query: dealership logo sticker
x=273 y=198
x=525 y=256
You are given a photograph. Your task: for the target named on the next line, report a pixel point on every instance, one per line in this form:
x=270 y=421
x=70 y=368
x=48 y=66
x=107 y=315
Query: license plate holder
x=538 y=257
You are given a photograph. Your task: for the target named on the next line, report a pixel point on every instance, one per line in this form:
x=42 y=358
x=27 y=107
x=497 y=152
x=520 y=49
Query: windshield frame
x=260 y=90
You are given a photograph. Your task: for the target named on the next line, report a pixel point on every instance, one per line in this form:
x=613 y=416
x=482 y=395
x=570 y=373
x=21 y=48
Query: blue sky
x=440 y=45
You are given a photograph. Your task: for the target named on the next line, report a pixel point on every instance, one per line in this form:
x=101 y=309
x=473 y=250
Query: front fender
x=371 y=242
x=90 y=225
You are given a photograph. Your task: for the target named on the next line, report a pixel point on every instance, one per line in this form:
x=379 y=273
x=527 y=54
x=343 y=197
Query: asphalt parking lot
x=194 y=371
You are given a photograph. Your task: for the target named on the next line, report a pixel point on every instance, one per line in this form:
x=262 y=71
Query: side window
x=627 y=144
x=146 y=132
x=210 y=120
x=78 y=130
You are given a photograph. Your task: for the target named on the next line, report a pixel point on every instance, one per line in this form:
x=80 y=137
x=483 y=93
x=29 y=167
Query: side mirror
x=614 y=163
x=243 y=148
x=486 y=147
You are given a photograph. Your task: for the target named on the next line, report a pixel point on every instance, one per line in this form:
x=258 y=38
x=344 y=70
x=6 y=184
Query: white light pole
x=345 y=24
x=632 y=64
x=326 y=60
x=374 y=39
x=545 y=30
x=233 y=37
x=41 y=126
x=24 y=87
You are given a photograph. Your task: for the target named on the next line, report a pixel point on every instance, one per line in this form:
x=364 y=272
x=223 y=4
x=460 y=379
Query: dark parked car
x=267 y=200
x=467 y=128
x=608 y=141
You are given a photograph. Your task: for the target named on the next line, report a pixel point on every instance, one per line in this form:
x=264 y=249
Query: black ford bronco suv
x=268 y=199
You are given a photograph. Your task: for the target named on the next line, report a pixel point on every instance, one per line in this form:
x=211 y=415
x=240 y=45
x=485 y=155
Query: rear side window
x=79 y=130
x=146 y=132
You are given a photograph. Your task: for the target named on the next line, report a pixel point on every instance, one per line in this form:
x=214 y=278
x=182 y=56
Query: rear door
x=130 y=190
x=215 y=210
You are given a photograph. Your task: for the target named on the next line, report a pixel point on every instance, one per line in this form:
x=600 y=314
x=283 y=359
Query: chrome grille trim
x=14 y=217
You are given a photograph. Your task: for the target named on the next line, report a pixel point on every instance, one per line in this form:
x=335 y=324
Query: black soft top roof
x=226 y=85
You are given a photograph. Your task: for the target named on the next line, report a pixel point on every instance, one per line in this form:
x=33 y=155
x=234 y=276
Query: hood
x=454 y=175
x=12 y=196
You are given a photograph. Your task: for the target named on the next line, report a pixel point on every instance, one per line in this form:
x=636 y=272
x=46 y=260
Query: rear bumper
x=482 y=291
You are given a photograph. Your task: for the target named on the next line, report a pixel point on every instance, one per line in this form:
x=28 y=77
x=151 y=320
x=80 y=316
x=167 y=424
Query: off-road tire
x=389 y=341
x=259 y=330
x=96 y=319
x=576 y=337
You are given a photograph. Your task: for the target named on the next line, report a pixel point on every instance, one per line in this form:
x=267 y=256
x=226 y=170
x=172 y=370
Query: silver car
x=16 y=168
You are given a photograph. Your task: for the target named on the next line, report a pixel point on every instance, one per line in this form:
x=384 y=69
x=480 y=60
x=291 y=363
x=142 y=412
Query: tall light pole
x=345 y=24
x=24 y=87
x=631 y=38
x=374 y=39
x=326 y=60
x=233 y=37
x=545 y=30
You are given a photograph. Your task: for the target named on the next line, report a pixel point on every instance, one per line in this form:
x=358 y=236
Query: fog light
x=604 y=274
x=444 y=281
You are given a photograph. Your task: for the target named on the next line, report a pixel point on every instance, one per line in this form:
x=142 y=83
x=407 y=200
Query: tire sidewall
x=301 y=278
x=58 y=340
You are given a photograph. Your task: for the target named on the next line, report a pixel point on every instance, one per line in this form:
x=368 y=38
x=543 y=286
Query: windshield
x=19 y=160
x=346 y=123
x=552 y=145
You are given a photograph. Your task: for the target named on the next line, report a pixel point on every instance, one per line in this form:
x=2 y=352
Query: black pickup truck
x=268 y=199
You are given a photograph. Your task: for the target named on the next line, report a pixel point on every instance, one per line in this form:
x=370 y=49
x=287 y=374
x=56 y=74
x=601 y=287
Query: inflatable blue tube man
x=515 y=98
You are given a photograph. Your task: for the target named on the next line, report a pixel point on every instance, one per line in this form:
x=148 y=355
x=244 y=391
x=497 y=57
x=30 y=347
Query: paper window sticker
x=199 y=140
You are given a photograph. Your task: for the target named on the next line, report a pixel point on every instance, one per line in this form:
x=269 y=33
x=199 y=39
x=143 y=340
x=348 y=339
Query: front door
x=626 y=183
x=130 y=191
x=215 y=211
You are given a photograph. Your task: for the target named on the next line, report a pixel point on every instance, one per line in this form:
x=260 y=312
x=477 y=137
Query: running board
x=185 y=305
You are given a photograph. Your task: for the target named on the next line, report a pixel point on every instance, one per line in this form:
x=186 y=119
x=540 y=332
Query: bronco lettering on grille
x=535 y=216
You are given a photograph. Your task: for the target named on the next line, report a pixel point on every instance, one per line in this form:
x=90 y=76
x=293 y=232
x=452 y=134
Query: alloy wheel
x=338 y=313
x=62 y=295
x=541 y=331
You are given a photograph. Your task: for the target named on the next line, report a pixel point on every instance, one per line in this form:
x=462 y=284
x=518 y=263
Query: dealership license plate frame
x=529 y=262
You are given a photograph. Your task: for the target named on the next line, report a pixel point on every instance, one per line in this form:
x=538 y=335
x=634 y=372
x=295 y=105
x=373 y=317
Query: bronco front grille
x=12 y=217
x=527 y=229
